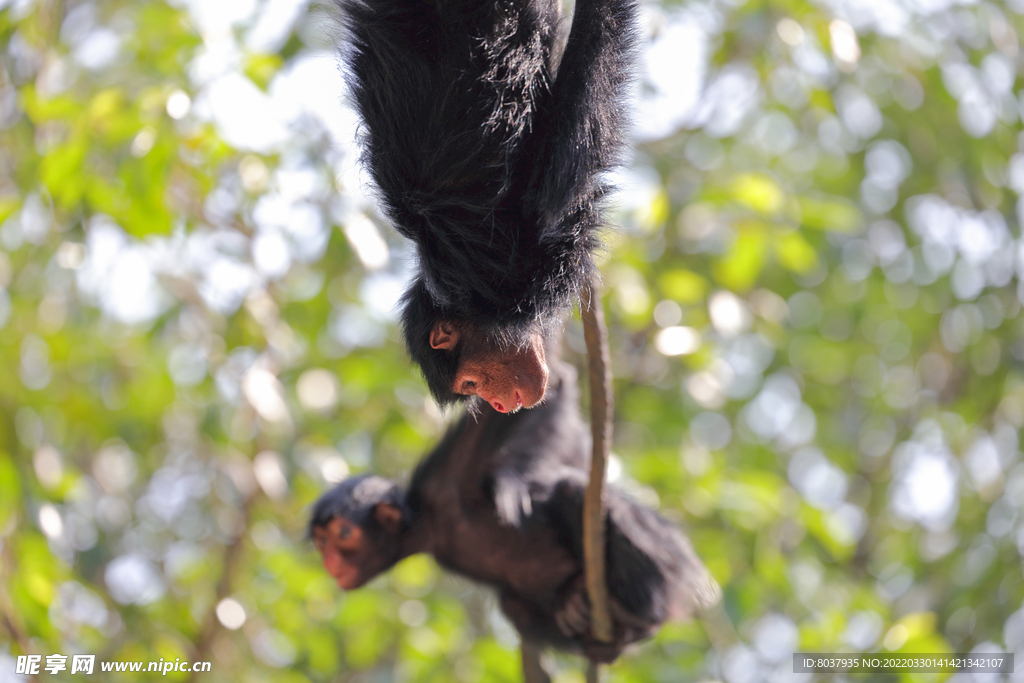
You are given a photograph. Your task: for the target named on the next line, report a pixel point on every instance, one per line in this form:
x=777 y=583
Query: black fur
x=500 y=500
x=487 y=144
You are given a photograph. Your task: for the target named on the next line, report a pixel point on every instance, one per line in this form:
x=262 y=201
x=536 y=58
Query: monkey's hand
x=573 y=619
x=573 y=614
x=511 y=497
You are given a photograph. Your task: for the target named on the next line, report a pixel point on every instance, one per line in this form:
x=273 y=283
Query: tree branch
x=231 y=560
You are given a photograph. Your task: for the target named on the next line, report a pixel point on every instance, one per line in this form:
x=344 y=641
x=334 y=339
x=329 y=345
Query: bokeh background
x=813 y=294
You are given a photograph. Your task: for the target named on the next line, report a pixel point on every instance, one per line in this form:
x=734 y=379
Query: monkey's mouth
x=513 y=409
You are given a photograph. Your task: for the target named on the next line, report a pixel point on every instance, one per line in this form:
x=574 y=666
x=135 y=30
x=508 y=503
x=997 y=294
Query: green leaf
x=684 y=286
x=63 y=171
x=759 y=192
x=743 y=263
x=795 y=253
x=830 y=213
x=10 y=489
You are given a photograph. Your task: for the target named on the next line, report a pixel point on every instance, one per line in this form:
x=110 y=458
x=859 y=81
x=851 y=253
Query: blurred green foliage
x=813 y=299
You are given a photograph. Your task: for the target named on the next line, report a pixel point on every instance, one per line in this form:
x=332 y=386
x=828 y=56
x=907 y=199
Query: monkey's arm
x=585 y=116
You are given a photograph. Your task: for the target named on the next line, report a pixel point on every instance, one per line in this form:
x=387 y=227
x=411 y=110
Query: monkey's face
x=507 y=379
x=353 y=554
x=343 y=547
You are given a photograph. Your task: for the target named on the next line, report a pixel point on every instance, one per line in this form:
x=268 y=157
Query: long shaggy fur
x=487 y=144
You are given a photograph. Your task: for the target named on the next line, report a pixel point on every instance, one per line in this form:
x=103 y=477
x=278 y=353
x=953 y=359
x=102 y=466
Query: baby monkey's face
x=342 y=546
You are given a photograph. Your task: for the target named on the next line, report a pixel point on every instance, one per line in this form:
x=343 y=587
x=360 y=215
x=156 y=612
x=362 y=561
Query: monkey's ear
x=443 y=335
x=389 y=516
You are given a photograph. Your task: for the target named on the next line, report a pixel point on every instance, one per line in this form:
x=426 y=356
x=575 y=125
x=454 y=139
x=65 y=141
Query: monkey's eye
x=468 y=385
x=345 y=532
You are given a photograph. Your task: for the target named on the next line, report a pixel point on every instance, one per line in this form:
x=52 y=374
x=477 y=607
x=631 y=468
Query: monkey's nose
x=509 y=403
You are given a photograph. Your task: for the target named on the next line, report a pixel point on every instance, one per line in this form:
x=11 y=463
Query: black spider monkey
x=487 y=143
x=500 y=500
